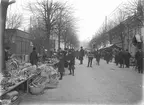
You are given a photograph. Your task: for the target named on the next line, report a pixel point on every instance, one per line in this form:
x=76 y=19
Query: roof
x=18 y=32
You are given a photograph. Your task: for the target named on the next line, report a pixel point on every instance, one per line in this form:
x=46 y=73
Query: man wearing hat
x=71 y=61
x=81 y=55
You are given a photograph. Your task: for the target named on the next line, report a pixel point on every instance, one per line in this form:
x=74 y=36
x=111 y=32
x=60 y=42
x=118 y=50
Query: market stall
x=110 y=47
x=25 y=78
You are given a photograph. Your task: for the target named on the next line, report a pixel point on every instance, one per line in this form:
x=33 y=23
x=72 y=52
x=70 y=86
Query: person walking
x=98 y=56
x=117 y=58
x=61 y=65
x=139 y=59
x=127 y=58
x=90 y=59
x=121 y=58
x=81 y=55
x=107 y=57
x=34 y=57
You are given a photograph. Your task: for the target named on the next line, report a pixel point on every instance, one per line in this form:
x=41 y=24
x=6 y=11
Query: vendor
x=6 y=53
x=34 y=57
x=6 y=58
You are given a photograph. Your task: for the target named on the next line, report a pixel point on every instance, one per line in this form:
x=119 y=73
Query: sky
x=90 y=14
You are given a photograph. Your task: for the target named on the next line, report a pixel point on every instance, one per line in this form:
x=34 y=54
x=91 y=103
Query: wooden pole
x=3 y=12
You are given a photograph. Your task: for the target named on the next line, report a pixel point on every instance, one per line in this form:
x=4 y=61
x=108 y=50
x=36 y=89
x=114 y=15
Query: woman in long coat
x=61 y=65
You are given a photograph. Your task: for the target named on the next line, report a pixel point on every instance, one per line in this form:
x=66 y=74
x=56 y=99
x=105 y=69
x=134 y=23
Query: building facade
x=20 y=42
x=122 y=35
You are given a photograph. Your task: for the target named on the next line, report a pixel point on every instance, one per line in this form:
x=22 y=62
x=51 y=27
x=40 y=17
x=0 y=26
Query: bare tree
x=48 y=13
x=65 y=20
x=14 y=21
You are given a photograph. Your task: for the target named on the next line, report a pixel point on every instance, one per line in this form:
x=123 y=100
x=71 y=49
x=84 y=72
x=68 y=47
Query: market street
x=104 y=84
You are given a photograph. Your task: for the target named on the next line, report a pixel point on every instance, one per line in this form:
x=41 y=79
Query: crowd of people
x=67 y=58
x=122 y=58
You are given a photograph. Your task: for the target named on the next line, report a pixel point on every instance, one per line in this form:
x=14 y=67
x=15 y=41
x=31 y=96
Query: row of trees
x=52 y=20
x=49 y=20
x=125 y=11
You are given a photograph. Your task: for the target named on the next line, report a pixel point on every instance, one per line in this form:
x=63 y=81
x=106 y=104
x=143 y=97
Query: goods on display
x=51 y=74
x=52 y=61
x=12 y=64
x=21 y=72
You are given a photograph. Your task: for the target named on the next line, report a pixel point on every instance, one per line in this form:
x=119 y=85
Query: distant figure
x=71 y=61
x=121 y=58
x=81 y=55
x=90 y=59
x=98 y=56
x=117 y=58
x=34 y=57
x=127 y=58
x=107 y=57
x=61 y=65
x=139 y=59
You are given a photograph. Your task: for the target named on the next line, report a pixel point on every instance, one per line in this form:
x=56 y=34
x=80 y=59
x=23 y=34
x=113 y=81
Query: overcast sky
x=90 y=13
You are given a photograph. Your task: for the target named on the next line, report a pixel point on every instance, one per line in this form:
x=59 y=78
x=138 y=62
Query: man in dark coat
x=34 y=57
x=61 y=65
x=117 y=58
x=139 y=59
x=107 y=57
x=98 y=57
x=81 y=55
x=127 y=58
x=121 y=58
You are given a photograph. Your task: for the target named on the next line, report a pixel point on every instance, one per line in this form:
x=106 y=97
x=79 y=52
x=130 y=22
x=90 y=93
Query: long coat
x=81 y=54
x=33 y=58
x=61 y=63
x=98 y=55
x=71 y=58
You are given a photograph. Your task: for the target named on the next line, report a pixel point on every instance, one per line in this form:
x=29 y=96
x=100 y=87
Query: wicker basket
x=37 y=89
x=52 y=84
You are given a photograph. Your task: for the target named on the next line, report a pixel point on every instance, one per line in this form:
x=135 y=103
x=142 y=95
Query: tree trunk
x=48 y=47
x=3 y=14
x=59 y=36
x=122 y=40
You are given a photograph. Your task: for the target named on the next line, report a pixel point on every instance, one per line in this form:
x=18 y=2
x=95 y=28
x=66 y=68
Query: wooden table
x=28 y=80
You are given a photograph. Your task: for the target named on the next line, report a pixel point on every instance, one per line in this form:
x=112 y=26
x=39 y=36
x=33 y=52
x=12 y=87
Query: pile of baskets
x=38 y=85
x=48 y=79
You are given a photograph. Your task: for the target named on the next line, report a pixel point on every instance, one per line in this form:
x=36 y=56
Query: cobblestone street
x=104 y=84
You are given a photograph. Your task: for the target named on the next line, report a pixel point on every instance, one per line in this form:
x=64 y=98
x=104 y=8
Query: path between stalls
x=100 y=85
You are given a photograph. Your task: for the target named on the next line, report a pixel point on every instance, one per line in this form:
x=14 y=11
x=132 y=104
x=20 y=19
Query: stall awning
x=109 y=47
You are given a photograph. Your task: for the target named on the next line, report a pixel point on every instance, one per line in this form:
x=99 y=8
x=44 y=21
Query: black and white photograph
x=71 y=52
